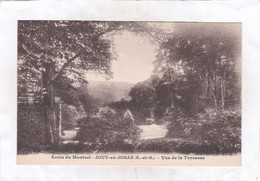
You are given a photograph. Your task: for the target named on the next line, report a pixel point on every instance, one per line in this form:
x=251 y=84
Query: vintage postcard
x=129 y=93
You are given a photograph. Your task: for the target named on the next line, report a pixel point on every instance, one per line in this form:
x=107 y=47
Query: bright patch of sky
x=135 y=56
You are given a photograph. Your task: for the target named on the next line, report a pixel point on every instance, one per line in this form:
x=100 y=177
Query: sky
x=135 y=56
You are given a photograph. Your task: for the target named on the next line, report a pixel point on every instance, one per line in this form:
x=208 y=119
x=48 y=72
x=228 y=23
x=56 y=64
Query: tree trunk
x=206 y=87
x=49 y=105
x=60 y=120
x=223 y=89
x=222 y=94
x=213 y=90
x=170 y=85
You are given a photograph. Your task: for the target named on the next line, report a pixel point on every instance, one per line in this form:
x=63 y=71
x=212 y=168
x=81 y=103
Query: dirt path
x=153 y=131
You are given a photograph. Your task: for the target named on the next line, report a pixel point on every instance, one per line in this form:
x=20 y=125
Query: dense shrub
x=118 y=147
x=197 y=147
x=80 y=147
x=222 y=128
x=209 y=132
x=106 y=128
x=30 y=129
x=169 y=145
x=75 y=147
x=176 y=119
x=156 y=145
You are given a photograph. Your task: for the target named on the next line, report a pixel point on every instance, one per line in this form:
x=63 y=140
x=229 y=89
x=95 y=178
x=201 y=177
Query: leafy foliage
x=160 y=145
x=30 y=135
x=221 y=130
x=210 y=62
x=142 y=99
x=107 y=128
x=67 y=92
x=81 y=46
x=74 y=46
x=70 y=116
x=171 y=145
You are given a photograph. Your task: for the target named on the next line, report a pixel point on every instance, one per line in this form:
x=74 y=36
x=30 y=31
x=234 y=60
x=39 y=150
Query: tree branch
x=63 y=67
x=75 y=56
x=107 y=31
x=24 y=48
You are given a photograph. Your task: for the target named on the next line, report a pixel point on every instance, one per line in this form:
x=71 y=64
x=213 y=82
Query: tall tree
x=143 y=99
x=209 y=57
x=49 y=50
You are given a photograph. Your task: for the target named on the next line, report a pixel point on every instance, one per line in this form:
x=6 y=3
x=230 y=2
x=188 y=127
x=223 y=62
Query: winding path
x=153 y=131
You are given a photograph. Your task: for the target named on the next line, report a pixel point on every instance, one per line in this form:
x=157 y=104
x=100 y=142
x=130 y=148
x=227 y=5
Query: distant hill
x=109 y=91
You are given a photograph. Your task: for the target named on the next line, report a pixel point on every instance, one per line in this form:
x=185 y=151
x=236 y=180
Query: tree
x=143 y=99
x=49 y=50
x=208 y=58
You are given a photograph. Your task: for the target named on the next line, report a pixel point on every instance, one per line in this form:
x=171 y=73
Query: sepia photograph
x=128 y=90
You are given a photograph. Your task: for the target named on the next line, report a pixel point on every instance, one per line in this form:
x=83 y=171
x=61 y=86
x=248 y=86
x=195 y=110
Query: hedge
x=30 y=129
